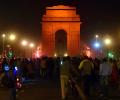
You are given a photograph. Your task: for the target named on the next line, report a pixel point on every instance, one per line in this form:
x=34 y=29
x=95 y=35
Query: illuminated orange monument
x=61 y=31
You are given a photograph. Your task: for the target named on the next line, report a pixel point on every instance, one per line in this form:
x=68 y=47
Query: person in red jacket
x=114 y=74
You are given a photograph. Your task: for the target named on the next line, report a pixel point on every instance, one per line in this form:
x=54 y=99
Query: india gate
x=61 y=31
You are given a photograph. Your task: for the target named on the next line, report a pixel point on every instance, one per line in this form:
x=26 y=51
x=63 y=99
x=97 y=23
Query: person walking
x=64 y=76
x=105 y=73
x=86 y=67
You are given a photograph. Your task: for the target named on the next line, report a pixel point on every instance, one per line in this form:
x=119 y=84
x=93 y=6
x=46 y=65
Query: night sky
x=23 y=16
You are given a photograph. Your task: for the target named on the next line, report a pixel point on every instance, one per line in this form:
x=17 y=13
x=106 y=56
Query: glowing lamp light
x=65 y=55
x=55 y=55
x=3 y=35
x=107 y=41
x=12 y=37
x=96 y=36
x=97 y=45
x=31 y=45
x=24 y=42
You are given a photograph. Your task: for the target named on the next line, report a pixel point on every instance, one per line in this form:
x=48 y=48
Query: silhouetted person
x=105 y=72
x=86 y=68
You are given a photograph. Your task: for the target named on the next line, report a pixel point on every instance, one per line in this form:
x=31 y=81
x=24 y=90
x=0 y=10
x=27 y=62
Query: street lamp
x=97 y=45
x=96 y=36
x=65 y=55
x=12 y=37
x=24 y=43
x=55 y=55
x=3 y=36
x=31 y=45
x=107 y=41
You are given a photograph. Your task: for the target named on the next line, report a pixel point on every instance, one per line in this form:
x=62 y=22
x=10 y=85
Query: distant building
x=61 y=31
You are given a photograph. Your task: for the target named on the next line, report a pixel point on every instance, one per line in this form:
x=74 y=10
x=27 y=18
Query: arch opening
x=60 y=42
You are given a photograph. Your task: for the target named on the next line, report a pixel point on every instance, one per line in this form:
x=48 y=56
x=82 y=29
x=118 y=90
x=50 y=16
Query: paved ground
x=49 y=90
x=35 y=90
x=4 y=94
x=42 y=90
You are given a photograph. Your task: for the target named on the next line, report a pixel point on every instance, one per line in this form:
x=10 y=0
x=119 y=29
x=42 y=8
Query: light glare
x=55 y=55
x=31 y=45
x=97 y=45
x=3 y=35
x=65 y=55
x=12 y=37
x=107 y=41
x=96 y=36
x=24 y=42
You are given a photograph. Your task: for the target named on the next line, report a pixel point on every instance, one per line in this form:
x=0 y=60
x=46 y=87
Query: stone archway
x=61 y=18
x=60 y=42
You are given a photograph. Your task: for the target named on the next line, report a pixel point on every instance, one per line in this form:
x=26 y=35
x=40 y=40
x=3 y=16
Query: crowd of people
x=32 y=68
x=92 y=72
x=99 y=74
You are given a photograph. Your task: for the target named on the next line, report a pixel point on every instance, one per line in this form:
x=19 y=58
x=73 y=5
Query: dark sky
x=24 y=16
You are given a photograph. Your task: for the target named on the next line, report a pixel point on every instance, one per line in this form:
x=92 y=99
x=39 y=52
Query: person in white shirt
x=104 y=72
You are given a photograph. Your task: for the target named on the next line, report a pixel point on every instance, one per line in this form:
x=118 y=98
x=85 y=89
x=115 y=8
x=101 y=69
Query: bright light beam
x=97 y=45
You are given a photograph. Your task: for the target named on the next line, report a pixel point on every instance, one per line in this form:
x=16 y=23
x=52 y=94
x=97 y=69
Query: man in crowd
x=86 y=68
x=105 y=72
x=64 y=76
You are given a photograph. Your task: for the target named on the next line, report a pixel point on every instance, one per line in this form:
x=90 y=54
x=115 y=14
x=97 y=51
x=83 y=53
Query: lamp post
x=107 y=43
x=3 y=36
x=12 y=38
x=97 y=45
x=31 y=45
x=96 y=36
x=24 y=44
